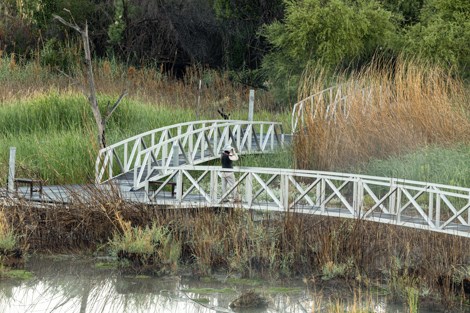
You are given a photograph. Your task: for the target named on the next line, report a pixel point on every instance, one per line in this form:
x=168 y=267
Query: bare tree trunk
x=91 y=95
x=92 y=99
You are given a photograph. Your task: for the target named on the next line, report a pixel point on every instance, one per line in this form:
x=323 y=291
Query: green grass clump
x=55 y=134
x=15 y=274
x=432 y=164
x=150 y=245
x=106 y=265
x=277 y=290
x=281 y=159
x=208 y=290
x=139 y=240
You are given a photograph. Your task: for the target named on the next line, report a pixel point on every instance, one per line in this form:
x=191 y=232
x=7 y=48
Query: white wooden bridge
x=171 y=156
x=164 y=167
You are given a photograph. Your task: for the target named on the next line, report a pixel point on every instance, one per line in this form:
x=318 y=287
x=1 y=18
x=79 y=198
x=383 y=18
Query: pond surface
x=76 y=284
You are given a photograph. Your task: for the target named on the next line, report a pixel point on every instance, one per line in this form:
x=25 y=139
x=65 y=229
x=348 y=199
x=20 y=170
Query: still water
x=75 y=284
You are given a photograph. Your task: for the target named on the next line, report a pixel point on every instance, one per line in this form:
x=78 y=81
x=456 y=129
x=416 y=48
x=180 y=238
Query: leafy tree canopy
x=443 y=34
x=331 y=32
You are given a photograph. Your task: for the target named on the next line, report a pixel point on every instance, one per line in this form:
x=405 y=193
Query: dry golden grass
x=407 y=105
x=19 y=80
x=359 y=253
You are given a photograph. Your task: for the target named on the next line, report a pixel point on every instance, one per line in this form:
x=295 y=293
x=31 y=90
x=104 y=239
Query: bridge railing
x=328 y=103
x=203 y=144
x=409 y=203
x=119 y=158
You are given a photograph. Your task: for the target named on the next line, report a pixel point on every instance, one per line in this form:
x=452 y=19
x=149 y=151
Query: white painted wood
x=11 y=170
x=409 y=209
x=249 y=189
x=398 y=201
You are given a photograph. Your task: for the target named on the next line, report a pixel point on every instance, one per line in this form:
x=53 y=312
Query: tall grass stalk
x=407 y=105
x=8 y=239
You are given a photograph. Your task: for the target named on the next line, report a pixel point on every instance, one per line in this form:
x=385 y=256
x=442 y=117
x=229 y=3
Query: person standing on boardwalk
x=228 y=178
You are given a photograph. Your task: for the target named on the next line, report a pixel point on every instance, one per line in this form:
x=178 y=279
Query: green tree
x=332 y=33
x=443 y=34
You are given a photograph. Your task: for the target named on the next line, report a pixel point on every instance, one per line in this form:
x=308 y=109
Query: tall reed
x=389 y=110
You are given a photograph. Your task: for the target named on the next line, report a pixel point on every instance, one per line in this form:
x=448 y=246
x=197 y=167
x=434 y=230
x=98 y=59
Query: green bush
x=329 y=32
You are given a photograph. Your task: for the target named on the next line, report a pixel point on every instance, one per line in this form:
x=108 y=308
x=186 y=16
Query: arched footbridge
x=163 y=166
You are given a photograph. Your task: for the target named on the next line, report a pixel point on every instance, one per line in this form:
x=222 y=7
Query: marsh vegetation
x=417 y=128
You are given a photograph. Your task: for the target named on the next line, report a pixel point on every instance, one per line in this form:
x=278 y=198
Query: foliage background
x=262 y=44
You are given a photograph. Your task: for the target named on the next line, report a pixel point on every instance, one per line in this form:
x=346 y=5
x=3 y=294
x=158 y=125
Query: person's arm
x=233 y=155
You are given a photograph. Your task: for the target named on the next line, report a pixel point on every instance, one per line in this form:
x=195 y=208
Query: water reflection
x=76 y=285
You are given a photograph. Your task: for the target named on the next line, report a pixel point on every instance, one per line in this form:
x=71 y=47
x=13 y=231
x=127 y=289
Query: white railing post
x=284 y=192
x=322 y=195
x=175 y=154
x=146 y=192
x=392 y=197
x=110 y=164
x=136 y=167
x=190 y=139
x=179 y=186
x=438 y=210
x=164 y=150
x=431 y=206
x=358 y=196
x=250 y=136
x=216 y=136
x=126 y=158
x=149 y=162
x=398 y=204
x=214 y=186
x=239 y=138
x=251 y=105
x=203 y=145
x=11 y=170
x=249 y=190
x=273 y=134
x=261 y=131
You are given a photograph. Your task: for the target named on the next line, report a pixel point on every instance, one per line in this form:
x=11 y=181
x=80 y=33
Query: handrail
x=332 y=98
x=421 y=205
x=203 y=144
x=123 y=152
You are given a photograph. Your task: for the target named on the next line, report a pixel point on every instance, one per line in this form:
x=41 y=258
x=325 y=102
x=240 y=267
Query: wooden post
x=214 y=183
x=11 y=170
x=179 y=186
x=251 y=105
x=249 y=190
x=284 y=192
x=176 y=154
